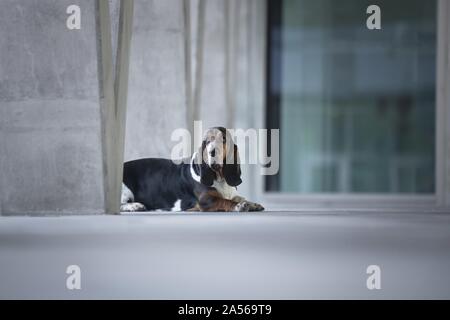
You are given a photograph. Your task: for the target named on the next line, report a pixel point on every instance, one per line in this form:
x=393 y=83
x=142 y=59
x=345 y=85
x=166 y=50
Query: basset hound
x=205 y=182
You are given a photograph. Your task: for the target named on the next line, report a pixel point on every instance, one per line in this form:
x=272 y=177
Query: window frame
x=439 y=201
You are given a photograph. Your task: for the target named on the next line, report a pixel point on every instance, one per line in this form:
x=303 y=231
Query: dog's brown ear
x=232 y=171
x=207 y=175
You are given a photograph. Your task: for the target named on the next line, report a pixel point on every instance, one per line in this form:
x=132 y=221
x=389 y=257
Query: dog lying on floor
x=207 y=182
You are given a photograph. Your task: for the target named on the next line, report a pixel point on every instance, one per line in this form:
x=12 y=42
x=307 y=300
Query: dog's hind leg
x=127 y=203
x=132 y=207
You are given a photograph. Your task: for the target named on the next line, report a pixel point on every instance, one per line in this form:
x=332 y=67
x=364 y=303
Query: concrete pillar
x=62 y=106
x=50 y=143
x=113 y=88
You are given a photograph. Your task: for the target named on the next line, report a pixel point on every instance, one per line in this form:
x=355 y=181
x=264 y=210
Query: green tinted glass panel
x=356 y=107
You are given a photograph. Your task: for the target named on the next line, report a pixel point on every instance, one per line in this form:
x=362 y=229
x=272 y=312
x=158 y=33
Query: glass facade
x=355 y=107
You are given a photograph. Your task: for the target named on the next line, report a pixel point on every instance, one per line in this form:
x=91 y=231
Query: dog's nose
x=213 y=153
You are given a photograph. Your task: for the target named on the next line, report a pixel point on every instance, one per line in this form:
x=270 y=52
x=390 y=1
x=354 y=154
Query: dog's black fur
x=159 y=183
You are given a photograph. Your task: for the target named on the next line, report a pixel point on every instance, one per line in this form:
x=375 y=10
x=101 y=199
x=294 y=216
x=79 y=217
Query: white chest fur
x=227 y=191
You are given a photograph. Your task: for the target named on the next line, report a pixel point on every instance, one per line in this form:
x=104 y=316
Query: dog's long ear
x=207 y=176
x=232 y=171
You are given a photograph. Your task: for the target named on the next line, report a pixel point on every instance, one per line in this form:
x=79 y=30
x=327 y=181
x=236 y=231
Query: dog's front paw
x=246 y=206
x=243 y=206
x=256 y=207
x=132 y=207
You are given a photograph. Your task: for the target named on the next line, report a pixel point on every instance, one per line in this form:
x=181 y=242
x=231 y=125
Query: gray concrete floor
x=278 y=255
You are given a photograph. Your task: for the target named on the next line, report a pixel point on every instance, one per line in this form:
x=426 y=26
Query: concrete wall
x=156 y=96
x=230 y=80
x=50 y=124
x=50 y=151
